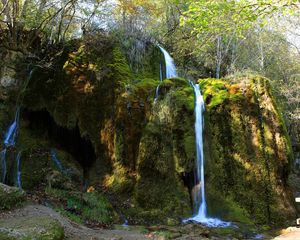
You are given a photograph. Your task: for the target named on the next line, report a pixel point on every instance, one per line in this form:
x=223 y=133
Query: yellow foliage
x=90 y=189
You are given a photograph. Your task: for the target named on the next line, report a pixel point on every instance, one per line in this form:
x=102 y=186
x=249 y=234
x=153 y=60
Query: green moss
x=10 y=197
x=244 y=159
x=97 y=208
x=120 y=68
x=73 y=217
x=80 y=207
x=38 y=227
x=216 y=92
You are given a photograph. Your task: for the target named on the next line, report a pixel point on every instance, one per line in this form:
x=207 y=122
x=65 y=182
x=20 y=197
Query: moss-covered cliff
x=248 y=153
x=89 y=105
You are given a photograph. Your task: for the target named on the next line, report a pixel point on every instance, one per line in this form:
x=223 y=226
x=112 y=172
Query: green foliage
x=97 y=208
x=33 y=227
x=80 y=207
x=120 y=68
x=216 y=92
x=214 y=18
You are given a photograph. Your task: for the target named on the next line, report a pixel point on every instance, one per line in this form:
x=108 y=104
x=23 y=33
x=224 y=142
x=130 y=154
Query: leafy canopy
x=219 y=17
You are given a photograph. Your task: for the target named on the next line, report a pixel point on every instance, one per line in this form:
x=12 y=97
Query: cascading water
x=157 y=87
x=170 y=69
x=19 y=169
x=10 y=138
x=170 y=66
x=12 y=132
x=201 y=214
x=56 y=161
x=3 y=164
x=9 y=141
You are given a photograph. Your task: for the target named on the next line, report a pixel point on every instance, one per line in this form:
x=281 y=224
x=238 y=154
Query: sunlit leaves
x=219 y=17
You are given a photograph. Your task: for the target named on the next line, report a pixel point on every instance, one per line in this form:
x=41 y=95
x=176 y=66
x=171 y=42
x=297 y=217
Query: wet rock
x=7 y=81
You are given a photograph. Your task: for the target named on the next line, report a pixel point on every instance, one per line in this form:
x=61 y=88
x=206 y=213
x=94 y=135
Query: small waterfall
x=160 y=72
x=156 y=93
x=170 y=66
x=126 y=223
x=9 y=141
x=12 y=132
x=3 y=165
x=19 y=169
x=157 y=87
x=201 y=214
x=170 y=69
x=56 y=160
x=11 y=135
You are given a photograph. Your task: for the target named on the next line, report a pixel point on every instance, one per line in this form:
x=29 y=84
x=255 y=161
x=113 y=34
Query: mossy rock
x=217 y=92
x=247 y=151
x=39 y=169
x=10 y=197
x=84 y=207
x=33 y=227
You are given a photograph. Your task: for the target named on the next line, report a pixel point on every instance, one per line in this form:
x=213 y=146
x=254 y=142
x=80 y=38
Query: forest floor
x=73 y=230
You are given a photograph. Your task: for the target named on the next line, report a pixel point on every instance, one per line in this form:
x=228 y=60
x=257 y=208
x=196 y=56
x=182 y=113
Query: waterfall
x=10 y=137
x=170 y=69
x=9 y=141
x=157 y=87
x=12 y=132
x=3 y=164
x=19 y=169
x=56 y=160
x=199 y=125
x=170 y=66
x=201 y=214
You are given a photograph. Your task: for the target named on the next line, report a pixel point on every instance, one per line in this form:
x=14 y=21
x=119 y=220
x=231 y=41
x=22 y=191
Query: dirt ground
x=75 y=231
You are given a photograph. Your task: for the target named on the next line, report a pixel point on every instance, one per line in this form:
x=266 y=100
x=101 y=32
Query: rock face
x=248 y=154
x=92 y=107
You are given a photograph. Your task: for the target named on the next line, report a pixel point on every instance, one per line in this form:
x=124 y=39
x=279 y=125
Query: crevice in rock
x=189 y=181
x=69 y=140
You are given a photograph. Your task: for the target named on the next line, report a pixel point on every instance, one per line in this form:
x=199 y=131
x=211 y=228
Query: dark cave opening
x=69 y=140
x=189 y=181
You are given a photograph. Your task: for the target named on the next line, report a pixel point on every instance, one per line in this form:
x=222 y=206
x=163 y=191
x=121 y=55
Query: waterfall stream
x=170 y=66
x=200 y=215
x=199 y=199
x=3 y=165
x=19 y=169
x=56 y=161
x=170 y=69
x=9 y=141
x=12 y=132
x=10 y=138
